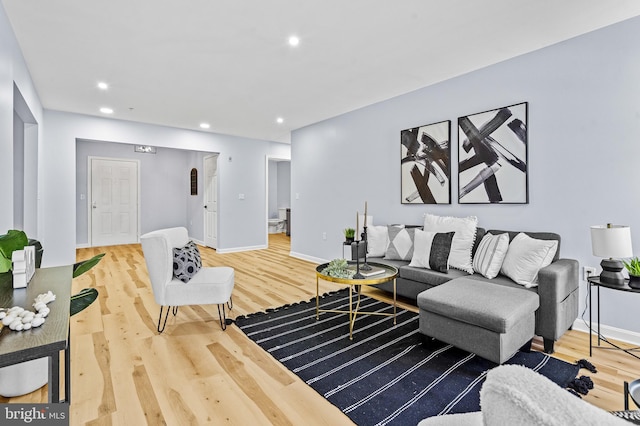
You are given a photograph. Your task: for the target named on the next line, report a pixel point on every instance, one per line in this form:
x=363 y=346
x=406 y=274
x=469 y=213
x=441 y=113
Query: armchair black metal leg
x=175 y=311
x=230 y=303
x=626 y=396
x=223 y=317
x=166 y=315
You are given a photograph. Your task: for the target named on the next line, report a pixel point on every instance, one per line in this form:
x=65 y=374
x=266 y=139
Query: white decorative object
x=18 y=318
x=24 y=266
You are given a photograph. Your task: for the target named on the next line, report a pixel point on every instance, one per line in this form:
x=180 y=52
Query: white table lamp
x=611 y=242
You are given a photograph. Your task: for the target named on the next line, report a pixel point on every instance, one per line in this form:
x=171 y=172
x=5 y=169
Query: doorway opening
x=278 y=197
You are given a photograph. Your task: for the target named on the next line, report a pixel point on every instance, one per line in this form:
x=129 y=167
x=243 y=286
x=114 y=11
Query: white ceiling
x=228 y=63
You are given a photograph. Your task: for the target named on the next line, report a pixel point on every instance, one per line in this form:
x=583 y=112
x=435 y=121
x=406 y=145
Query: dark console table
x=595 y=282
x=48 y=339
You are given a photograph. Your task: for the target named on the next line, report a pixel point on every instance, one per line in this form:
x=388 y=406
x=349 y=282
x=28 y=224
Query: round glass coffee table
x=379 y=274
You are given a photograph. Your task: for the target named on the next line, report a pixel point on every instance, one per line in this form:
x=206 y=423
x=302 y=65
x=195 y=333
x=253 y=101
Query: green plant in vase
x=633 y=267
x=349 y=234
x=339 y=268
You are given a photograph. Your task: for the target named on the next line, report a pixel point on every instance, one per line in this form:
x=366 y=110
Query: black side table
x=595 y=281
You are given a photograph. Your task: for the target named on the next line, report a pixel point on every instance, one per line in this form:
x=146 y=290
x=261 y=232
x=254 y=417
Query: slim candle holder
x=358 y=275
x=365 y=266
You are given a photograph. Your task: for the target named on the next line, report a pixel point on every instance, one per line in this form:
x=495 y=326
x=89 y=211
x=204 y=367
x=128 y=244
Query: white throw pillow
x=465 y=234
x=431 y=250
x=490 y=254
x=526 y=256
x=377 y=241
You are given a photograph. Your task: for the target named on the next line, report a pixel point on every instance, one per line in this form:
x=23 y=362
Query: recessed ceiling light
x=294 y=41
x=204 y=125
x=102 y=85
x=106 y=110
x=280 y=120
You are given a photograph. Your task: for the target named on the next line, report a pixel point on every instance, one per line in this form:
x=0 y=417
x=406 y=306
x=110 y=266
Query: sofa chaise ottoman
x=487 y=319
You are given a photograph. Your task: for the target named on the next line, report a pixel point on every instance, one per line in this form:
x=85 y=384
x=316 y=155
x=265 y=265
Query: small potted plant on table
x=633 y=267
x=349 y=234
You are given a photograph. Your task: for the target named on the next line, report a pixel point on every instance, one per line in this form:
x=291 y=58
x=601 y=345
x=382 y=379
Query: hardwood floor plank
x=147 y=397
x=103 y=356
x=254 y=353
x=236 y=369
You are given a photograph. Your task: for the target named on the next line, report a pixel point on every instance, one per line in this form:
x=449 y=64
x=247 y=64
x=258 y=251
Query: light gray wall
x=18 y=172
x=273 y=189
x=284 y=185
x=14 y=73
x=584 y=133
x=165 y=196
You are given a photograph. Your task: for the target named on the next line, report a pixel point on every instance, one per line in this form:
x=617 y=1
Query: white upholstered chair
x=210 y=285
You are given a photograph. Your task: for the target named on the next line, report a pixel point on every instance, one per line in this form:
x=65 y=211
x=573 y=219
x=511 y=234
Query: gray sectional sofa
x=557 y=291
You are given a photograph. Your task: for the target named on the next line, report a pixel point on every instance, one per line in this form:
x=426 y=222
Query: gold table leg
x=351 y=318
x=394 y=301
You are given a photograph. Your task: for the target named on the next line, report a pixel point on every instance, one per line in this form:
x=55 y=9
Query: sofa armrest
x=558 y=280
x=556 y=283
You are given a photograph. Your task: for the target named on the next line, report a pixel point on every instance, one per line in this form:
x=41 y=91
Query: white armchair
x=210 y=285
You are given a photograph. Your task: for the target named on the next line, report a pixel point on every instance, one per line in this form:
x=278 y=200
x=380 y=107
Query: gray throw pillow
x=186 y=262
x=400 y=243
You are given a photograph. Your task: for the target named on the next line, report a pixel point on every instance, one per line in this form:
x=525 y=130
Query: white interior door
x=114 y=202
x=211 y=201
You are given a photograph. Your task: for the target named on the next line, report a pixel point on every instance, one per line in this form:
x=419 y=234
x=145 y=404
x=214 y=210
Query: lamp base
x=612 y=271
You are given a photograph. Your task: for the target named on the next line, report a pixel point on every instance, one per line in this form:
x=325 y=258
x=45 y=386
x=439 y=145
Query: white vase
x=24 y=378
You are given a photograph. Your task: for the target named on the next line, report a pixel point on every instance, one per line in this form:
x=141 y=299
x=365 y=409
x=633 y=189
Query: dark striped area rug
x=387 y=374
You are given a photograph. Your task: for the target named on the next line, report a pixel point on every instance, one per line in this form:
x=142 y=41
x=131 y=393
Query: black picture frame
x=493 y=156
x=425 y=164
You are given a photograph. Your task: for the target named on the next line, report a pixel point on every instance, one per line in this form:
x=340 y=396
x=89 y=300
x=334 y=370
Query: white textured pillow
x=465 y=235
x=526 y=256
x=400 y=243
x=490 y=254
x=377 y=241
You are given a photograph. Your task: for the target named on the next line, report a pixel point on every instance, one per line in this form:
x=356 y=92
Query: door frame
x=266 y=193
x=89 y=194
x=204 y=198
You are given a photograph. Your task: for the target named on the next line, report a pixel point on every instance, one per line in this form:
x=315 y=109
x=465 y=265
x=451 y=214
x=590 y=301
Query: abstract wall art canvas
x=492 y=156
x=425 y=164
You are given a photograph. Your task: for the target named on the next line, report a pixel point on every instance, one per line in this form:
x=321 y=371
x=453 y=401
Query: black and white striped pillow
x=431 y=250
x=490 y=254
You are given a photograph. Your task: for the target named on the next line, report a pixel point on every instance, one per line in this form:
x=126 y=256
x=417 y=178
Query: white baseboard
x=198 y=242
x=83 y=245
x=238 y=249
x=614 y=333
x=307 y=258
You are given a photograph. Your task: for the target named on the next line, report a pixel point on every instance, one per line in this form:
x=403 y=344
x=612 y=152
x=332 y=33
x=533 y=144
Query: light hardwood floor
x=124 y=373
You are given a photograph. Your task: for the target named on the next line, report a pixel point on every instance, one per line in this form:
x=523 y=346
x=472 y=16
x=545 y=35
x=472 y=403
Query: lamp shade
x=612 y=241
